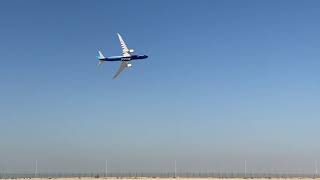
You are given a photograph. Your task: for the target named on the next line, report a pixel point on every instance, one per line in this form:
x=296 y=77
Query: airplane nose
x=145 y=56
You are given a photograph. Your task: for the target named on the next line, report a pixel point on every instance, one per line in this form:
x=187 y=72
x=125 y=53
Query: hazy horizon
x=225 y=81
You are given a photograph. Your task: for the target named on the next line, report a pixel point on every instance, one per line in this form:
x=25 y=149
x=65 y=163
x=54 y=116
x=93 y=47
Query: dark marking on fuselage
x=125 y=59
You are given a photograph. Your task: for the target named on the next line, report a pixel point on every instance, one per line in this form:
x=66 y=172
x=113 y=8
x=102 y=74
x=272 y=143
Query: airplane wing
x=125 y=49
x=121 y=68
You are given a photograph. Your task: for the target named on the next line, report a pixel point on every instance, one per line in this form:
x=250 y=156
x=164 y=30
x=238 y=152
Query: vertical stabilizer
x=101 y=56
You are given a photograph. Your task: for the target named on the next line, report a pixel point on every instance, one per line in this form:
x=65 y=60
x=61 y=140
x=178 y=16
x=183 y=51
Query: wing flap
x=125 y=49
x=121 y=68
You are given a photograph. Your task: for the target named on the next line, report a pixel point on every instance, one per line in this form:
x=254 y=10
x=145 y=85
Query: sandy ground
x=146 y=178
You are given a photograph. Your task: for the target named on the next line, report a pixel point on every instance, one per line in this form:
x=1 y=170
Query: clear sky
x=225 y=81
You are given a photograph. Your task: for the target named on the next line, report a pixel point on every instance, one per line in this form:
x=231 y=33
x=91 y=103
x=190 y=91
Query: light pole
x=316 y=167
x=36 y=169
x=175 y=168
x=245 y=168
x=106 y=173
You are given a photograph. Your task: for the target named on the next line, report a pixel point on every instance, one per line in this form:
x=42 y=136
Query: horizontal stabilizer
x=100 y=62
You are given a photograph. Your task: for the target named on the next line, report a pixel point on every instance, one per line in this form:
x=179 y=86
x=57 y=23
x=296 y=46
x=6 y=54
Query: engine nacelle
x=131 y=50
x=129 y=65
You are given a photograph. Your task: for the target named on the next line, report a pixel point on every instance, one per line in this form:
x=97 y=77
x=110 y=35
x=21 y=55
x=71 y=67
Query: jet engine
x=129 y=65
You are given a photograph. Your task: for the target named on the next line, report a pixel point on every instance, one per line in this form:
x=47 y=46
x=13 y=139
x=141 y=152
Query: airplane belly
x=137 y=58
x=114 y=59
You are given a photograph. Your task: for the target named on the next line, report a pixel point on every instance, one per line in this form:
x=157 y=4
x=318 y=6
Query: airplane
x=126 y=58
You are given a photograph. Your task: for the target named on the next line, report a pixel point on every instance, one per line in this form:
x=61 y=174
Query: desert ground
x=147 y=178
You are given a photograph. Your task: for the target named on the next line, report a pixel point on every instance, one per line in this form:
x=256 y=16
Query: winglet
x=123 y=44
x=119 y=36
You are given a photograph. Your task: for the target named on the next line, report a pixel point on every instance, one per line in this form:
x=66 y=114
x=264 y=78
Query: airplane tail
x=101 y=57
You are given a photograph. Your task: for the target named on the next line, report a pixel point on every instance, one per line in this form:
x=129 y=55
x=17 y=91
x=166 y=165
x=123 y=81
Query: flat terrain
x=146 y=178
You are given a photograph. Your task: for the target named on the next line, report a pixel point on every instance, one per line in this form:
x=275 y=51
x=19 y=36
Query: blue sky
x=225 y=81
